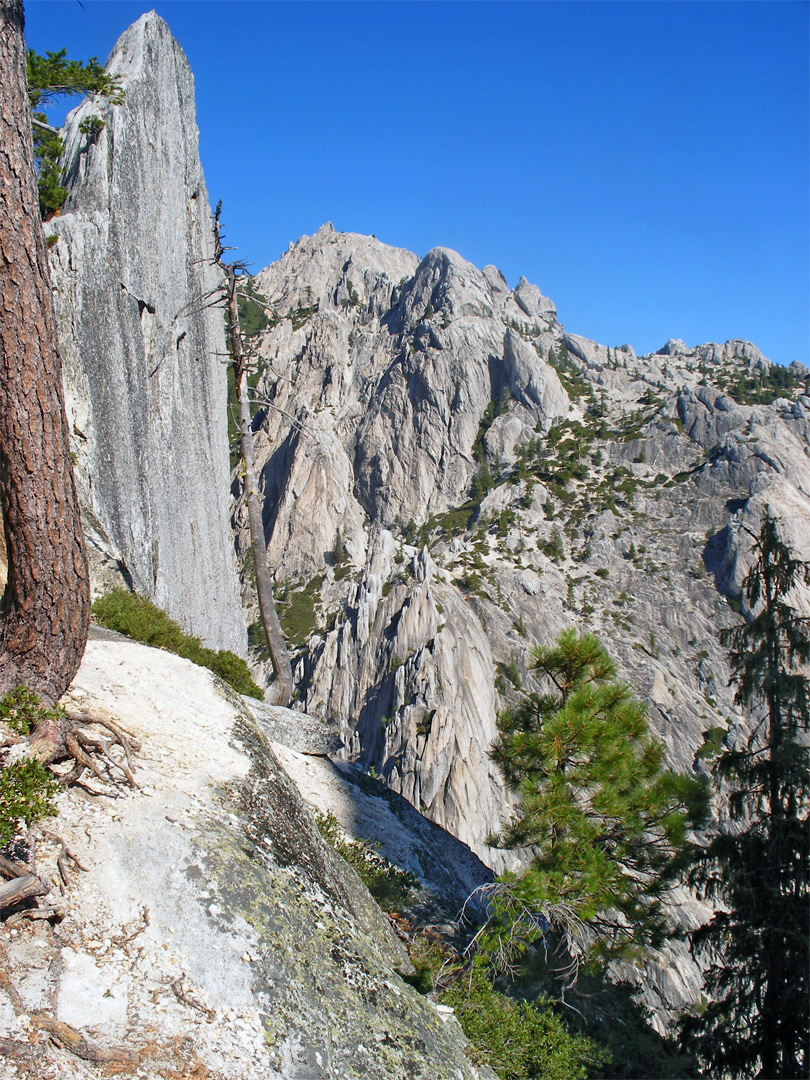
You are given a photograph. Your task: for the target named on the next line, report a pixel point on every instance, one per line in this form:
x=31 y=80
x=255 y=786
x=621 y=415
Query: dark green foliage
x=485 y=480
x=758 y=870
x=92 y=127
x=27 y=793
x=302 y=315
x=554 y=547
x=140 y=619
x=252 y=317
x=51 y=77
x=520 y=1040
x=391 y=887
x=257 y=639
x=22 y=710
x=354 y=298
x=604 y=821
x=48 y=148
x=568 y=370
x=506 y=520
x=764 y=387
x=712 y=743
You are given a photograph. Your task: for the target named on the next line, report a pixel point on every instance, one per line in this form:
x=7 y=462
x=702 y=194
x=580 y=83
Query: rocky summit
x=142 y=344
x=450 y=478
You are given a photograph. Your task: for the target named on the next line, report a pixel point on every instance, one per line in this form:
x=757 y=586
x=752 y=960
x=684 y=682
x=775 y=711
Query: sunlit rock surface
x=142 y=345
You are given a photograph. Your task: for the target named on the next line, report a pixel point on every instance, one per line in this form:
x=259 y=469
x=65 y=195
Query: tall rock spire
x=142 y=347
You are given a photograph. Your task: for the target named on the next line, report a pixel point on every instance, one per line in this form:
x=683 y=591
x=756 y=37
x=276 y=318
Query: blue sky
x=644 y=163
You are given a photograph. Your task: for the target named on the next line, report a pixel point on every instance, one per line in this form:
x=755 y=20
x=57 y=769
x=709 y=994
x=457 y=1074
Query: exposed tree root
x=72 y=1040
x=60 y=1033
x=88 y=744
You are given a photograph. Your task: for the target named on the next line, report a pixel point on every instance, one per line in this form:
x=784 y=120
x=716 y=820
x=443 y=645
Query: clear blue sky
x=646 y=164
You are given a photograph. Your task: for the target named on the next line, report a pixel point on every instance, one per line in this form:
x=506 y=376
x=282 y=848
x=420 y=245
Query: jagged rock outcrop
x=142 y=347
x=386 y=366
x=381 y=374
x=212 y=932
x=392 y=399
x=489 y=480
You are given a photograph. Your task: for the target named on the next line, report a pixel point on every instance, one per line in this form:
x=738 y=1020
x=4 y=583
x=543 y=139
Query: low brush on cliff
x=279 y=653
x=33 y=738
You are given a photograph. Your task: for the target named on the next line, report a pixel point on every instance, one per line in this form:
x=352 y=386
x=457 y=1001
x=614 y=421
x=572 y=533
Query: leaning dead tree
x=279 y=653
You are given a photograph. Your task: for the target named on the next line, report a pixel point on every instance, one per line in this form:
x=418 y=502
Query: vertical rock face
x=142 y=350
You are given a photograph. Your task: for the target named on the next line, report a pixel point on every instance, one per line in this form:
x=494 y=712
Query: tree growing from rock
x=279 y=653
x=51 y=77
x=758 y=867
x=603 y=821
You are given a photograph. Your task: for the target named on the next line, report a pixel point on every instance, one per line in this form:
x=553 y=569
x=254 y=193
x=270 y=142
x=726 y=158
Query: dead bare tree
x=279 y=653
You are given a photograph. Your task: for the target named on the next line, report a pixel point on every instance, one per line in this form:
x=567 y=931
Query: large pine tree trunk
x=46 y=606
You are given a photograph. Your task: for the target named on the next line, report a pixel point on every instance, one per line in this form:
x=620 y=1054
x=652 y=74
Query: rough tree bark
x=279 y=653
x=46 y=606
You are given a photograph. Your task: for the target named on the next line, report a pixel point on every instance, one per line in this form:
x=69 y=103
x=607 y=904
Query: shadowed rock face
x=142 y=351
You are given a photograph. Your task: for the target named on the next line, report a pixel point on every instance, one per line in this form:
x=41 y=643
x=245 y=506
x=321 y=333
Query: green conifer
x=758 y=867
x=604 y=821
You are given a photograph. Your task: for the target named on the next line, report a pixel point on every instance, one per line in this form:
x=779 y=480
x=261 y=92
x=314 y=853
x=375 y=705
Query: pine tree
x=603 y=820
x=50 y=78
x=758 y=867
x=45 y=611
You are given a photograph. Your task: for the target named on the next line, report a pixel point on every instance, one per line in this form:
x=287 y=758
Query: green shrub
x=713 y=741
x=520 y=1040
x=27 y=793
x=22 y=710
x=299 y=618
x=390 y=886
x=511 y=672
x=142 y=620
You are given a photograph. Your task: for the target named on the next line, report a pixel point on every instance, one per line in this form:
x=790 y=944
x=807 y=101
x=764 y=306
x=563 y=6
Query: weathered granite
x=142 y=346
x=416 y=651
x=213 y=932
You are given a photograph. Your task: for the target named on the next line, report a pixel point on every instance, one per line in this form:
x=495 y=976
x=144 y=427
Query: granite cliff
x=451 y=477
x=141 y=345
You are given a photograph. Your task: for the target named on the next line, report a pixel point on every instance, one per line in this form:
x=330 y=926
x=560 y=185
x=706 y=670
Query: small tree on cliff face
x=279 y=653
x=46 y=605
x=758 y=944
x=603 y=821
x=51 y=77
